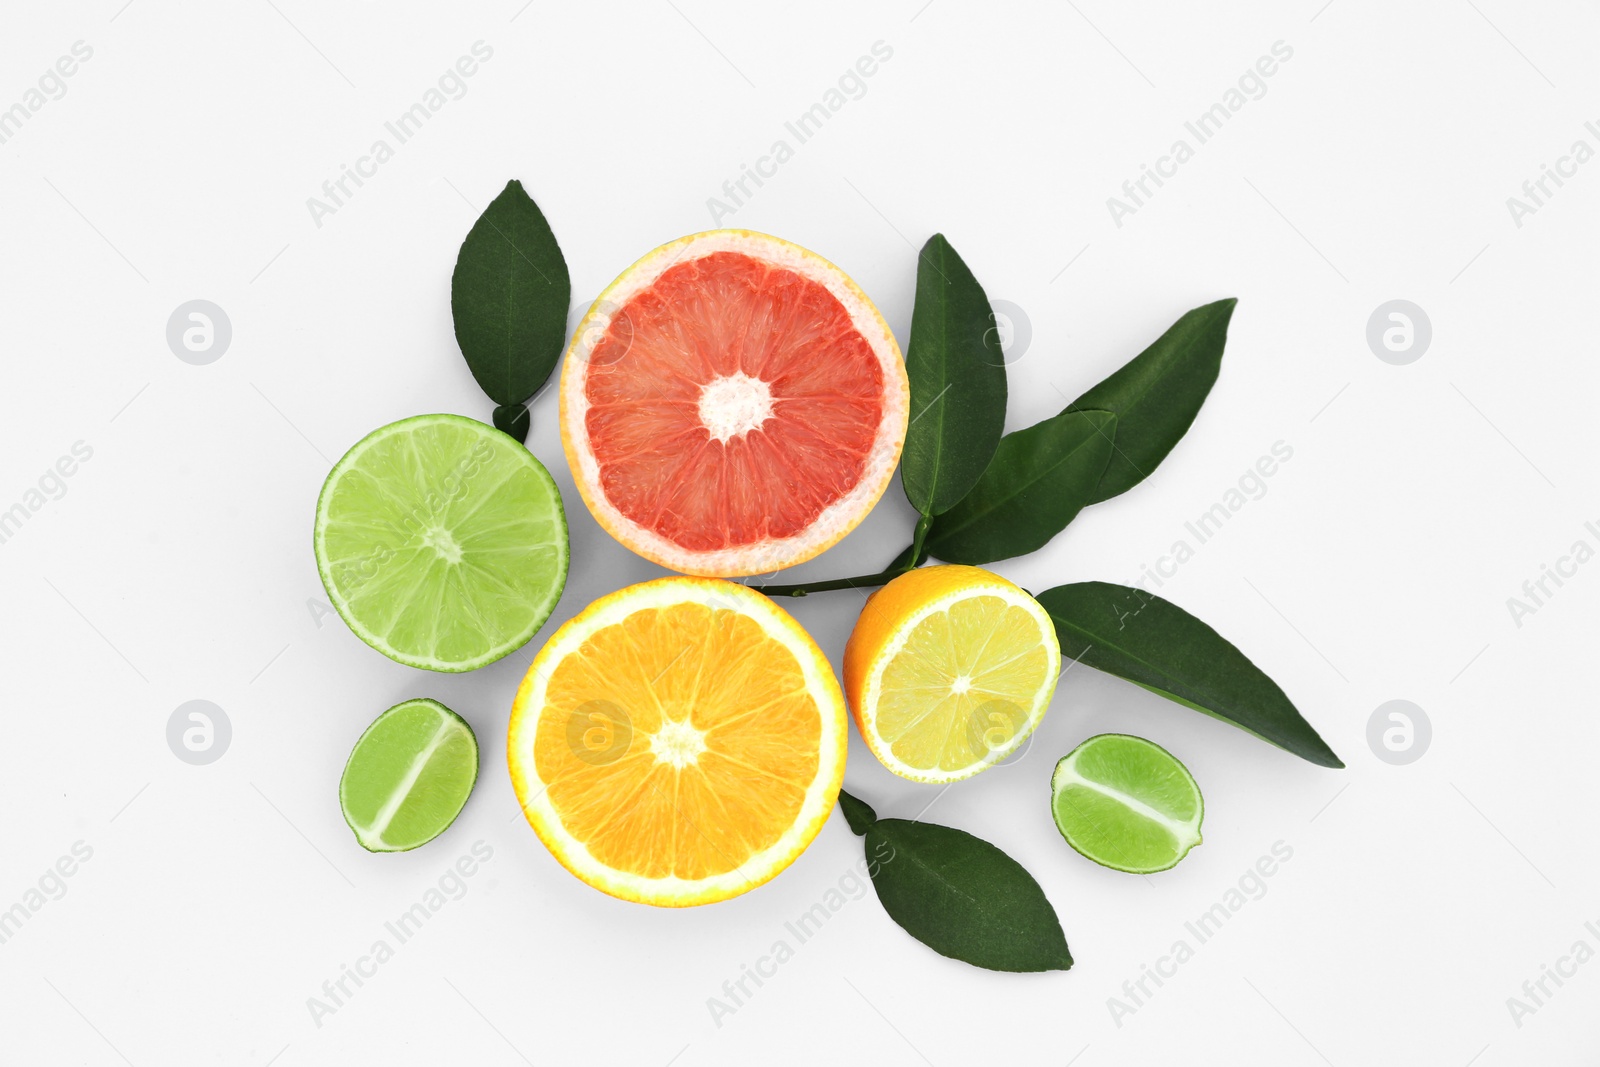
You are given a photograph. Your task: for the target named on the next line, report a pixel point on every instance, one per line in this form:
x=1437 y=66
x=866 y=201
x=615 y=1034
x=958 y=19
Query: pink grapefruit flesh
x=732 y=405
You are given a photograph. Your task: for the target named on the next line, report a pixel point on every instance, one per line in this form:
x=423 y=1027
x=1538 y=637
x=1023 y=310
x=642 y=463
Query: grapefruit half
x=732 y=404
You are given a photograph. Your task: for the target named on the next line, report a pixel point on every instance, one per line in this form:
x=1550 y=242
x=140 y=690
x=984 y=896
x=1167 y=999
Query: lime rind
x=427 y=569
x=1126 y=803
x=425 y=798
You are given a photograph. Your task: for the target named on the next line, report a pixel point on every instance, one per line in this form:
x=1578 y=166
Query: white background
x=1377 y=566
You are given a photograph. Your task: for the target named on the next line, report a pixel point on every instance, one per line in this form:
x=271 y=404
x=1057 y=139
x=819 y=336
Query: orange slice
x=732 y=404
x=678 y=742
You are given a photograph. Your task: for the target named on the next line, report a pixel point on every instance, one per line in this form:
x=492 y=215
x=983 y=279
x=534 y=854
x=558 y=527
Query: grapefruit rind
x=761 y=557
x=671 y=891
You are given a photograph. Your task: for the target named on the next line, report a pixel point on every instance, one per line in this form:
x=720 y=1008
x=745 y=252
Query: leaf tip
x=512 y=419
x=935 y=246
x=1058 y=956
x=1320 y=753
x=857 y=813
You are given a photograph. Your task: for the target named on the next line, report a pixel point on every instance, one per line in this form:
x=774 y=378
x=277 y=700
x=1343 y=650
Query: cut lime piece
x=441 y=542
x=1126 y=803
x=409 y=776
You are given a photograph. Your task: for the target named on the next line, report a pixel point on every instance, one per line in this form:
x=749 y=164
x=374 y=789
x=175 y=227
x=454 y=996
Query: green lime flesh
x=441 y=542
x=409 y=776
x=1126 y=803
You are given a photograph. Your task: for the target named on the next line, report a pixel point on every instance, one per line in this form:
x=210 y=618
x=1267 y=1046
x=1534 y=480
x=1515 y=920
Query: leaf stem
x=907 y=560
x=924 y=524
x=865 y=581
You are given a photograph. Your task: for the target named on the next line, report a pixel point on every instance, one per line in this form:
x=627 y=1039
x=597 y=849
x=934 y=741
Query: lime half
x=409 y=776
x=1126 y=803
x=441 y=542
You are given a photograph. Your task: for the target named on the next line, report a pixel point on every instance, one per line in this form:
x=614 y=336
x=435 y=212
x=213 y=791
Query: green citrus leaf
x=958 y=382
x=959 y=895
x=509 y=297
x=1156 y=644
x=1157 y=394
x=1038 y=481
x=857 y=813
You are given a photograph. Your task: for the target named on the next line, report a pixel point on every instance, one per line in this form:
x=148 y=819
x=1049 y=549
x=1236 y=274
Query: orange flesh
x=679 y=667
x=703 y=321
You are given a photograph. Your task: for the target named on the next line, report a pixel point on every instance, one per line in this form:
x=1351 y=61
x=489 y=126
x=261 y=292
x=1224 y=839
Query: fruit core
x=444 y=543
x=678 y=743
x=734 y=404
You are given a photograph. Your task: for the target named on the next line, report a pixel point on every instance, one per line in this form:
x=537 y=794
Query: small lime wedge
x=409 y=776
x=441 y=542
x=1126 y=803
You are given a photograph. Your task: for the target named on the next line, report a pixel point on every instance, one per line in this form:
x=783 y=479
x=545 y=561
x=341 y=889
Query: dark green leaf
x=1157 y=394
x=962 y=897
x=1038 y=481
x=1156 y=644
x=857 y=813
x=509 y=296
x=958 y=382
x=512 y=419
